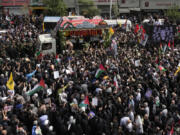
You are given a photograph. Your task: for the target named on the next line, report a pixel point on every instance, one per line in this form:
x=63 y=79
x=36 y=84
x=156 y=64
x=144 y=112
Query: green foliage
x=115 y=10
x=107 y=38
x=87 y=8
x=62 y=40
x=55 y=7
x=173 y=13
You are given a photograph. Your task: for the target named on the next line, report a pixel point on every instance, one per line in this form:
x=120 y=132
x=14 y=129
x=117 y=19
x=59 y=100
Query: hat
x=50 y=128
x=139 y=90
x=46 y=122
x=35 y=122
x=35 y=95
x=163 y=106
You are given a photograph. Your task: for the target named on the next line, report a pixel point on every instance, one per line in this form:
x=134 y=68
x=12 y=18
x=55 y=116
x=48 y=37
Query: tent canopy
x=51 y=19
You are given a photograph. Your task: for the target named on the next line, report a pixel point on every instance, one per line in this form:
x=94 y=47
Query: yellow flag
x=177 y=71
x=111 y=31
x=10 y=82
x=105 y=77
x=62 y=89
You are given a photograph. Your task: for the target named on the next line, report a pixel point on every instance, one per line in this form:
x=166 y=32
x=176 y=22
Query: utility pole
x=110 y=12
x=76 y=6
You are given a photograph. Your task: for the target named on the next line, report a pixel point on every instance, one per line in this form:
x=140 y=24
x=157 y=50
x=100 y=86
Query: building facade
x=124 y=6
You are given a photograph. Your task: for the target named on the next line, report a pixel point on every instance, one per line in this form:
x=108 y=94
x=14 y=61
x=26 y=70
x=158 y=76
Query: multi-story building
x=125 y=6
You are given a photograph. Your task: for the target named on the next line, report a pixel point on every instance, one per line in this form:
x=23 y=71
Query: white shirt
x=147 y=110
x=130 y=127
x=139 y=125
x=131 y=115
x=138 y=97
x=124 y=121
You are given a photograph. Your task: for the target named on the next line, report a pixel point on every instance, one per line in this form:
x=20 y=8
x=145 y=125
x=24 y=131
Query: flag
x=161 y=68
x=172 y=130
x=100 y=71
x=116 y=82
x=62 y=89
x=169 y=44
x=29 y=76
x=173 y=45
x=177 y=71
x=161 y=46
x=143 y=32
x=36 y=88
x=86 y=100
x=10 y=82
x=57 y=59
x=136 y=29
x=39 y=55
x=111 y=31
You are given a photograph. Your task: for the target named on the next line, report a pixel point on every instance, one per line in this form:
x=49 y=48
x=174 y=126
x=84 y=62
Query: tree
x=55 y=7
x=88 y=8
x=115 y=10
x=173 y=14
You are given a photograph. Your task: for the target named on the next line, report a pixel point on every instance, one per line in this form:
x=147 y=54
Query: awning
x=135 y=9
x=124 y=10
x=38 y=8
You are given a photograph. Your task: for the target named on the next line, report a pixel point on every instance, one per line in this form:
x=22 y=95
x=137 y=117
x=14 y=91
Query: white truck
x=46 y=44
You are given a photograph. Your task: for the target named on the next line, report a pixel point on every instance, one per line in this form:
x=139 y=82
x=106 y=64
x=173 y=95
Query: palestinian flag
x=86 y=100
x=36 y=88
x=169 y=44
x=172 y=130
x=161 y=68
x=136 y=29
x=115 y=82
x=39 y=55
x=100 y=71
x=57 y=59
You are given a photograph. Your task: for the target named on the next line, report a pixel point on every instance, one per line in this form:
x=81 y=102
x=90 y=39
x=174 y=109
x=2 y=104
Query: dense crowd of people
x=20 y=36
x=137 y=93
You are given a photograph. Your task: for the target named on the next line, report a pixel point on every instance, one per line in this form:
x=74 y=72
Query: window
x=46 y=46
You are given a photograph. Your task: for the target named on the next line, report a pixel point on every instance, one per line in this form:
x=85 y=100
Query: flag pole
x=110 y=10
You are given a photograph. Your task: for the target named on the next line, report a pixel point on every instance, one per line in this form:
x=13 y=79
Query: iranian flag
x=115 y=82
x=161 y=68
x=100 y=71
x=36 y=88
